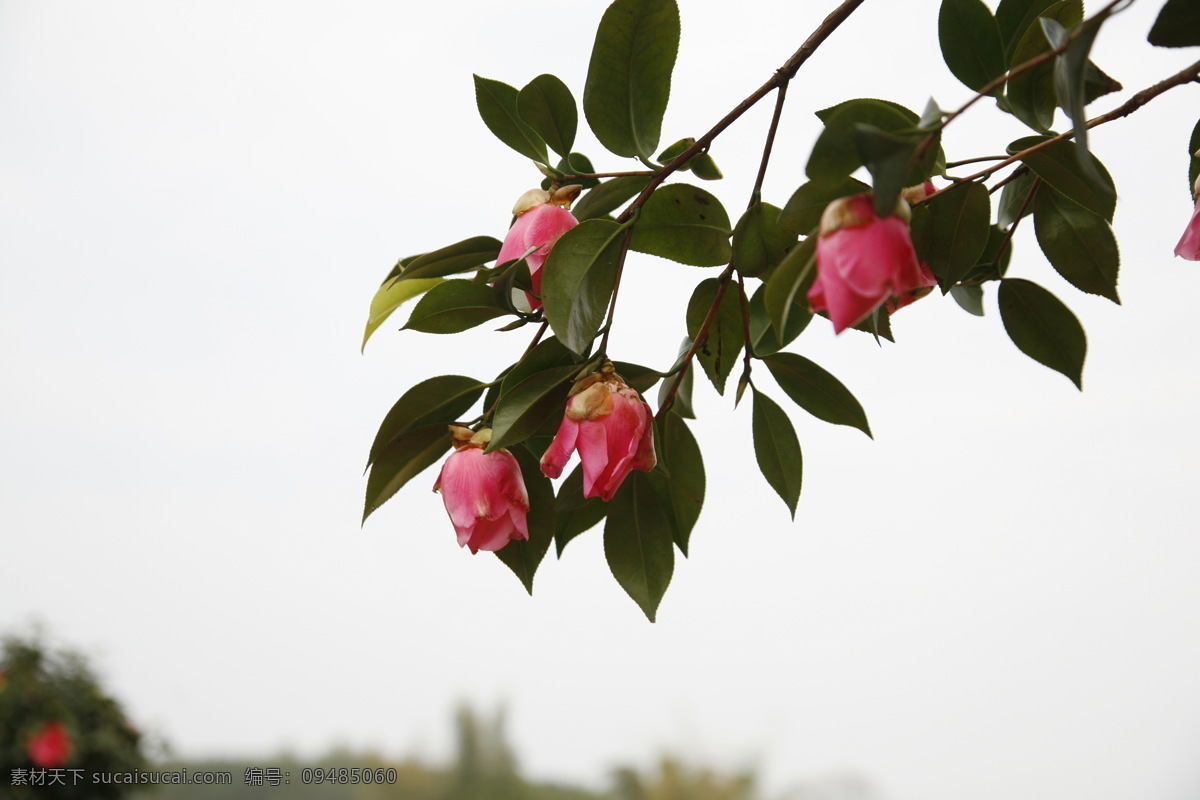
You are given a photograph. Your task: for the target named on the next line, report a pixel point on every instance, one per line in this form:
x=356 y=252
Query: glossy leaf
x=777 y=450
x=816 y=391
x=785 y=291
x=459 y=257
x=680 y=483
x=1058 y=165
x=1043 y=328
x=759 y=242
x=718 y=353
x=535 y=401
x=523 y=556
x=1078 y=243
x=547 y=106
x=497 y=103
x=637 y=543
x=835 y=154
x=765 y=338
x=1031 y=96
x=802 y=213
x=443 y=400
x=1014 y=18
x=629 y=75
x=969 y=298
x=970 y=41
x=573 y=513
x=391 y=295
x=960 y=223
x=608 y=196
x=1177 y=25
x=578 y=280
x=401 y=460
x=685 y=224
x=452 y=307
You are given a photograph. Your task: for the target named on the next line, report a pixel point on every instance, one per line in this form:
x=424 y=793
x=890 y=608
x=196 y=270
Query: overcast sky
x=996 y=598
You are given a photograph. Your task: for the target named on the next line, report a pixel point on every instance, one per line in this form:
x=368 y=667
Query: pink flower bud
x=484 y=493
x=612 y=428
x=541 y=219
x=50 y=746
x=1189 y=244
x=862 y=261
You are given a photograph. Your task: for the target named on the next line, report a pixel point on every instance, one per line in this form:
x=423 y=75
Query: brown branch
x=612 y=306
x=701 y=335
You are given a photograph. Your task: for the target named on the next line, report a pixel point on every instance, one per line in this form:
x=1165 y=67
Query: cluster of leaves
x=1030 y=56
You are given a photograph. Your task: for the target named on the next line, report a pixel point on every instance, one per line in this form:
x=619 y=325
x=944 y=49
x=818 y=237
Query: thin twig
x=537 y=337
x=701 y=335
x=612 y=305
x=766 y=155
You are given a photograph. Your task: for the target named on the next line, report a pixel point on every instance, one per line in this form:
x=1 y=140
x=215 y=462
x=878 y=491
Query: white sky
x=997 y=597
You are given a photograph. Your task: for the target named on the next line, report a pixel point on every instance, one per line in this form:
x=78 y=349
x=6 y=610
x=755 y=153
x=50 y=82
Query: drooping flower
x=542 y=217
x=1189 y=244
x=862 y=260
x=612 y=428
x=484 y=493
x=50 y=746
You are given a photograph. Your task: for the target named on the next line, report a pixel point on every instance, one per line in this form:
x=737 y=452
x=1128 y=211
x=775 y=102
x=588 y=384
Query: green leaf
x=1071 y=70
x=1178 y=25
x=816 y=391
x=765 y=338
x=578 y=281
x=1078 y=243
x=523 y=556
x=547 y=106
x=401 y=460
x=391 y=295
x=528 y=405
x=497 y=104
x=1193 y=159
x=835 y=154
x=458 y=257
x=629 y=76
x=452 y=307
x=443 y=400
x=637 y=543
x=608 y=196
x=675 y=151
x=680 y=481
x=777 y=450
x=1031 y=96
x=759 y=243
x=887 y=157
x=1043 y=328
x=1059 y=166
x=1013 y=196
x=682 y=404
x=1015 y=17
x=705 y=168
x=573 y=513
x=993 y=262
x=640 y=379
x=802 y=213
x=969 y=298
x=718 y=353
x=685 y=224
x=960 y=222
x=785 y=291
x=970 y=40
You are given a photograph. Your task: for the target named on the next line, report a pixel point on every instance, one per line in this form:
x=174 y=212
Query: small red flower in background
x=50 y=746
x=541 y=219
x=1189 y=245
x=612 y=428
x=484 y=493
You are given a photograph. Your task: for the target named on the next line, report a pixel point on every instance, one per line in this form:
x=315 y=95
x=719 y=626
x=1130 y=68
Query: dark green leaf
x=1070 y=83
x=1078 y=243
x=763 y=334
x=785 y=291
x=1059 y=166
x=777 y=450
x=578 y=280
x=401 y=460
x=452 y=307
x=816 y=391
x=443 y=399
x=993 y=262
x=969 y=298
x=960 y=224
x=759 y=243
x=1013 y=198
x=629 y=76
x=680 y=482
x=802 y=213
x=1015 y=17
x=1178 y=25
x=1193 y=159
x=685 y=224
x=608 y=196
x=637 y=543
x=887 y=156
x=878 y=323
x=835 y=154
x=459 y=257
x=1031 y=96
x=523 y=556
x=640 y=379
x=970 y=41
x=497 y=104
x=391 y=295
x=1043 y=328
x=682 y=405
x=719 y=352
x=574 y=513
x=525 y=407
x=547 y=106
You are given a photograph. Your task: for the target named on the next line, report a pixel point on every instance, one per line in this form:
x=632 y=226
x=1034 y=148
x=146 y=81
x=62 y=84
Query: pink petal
x=477 y=485
x=1189 y=244
x=514 y=243
x=845 y=306
x=559 y=452
x=593 y=455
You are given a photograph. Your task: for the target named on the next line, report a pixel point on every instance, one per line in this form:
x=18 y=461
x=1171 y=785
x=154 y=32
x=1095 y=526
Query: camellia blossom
x=862 y=260
x=484 y=493
x=612 y=428
x=1189 y=245
x=542 y=217
x=50 y=746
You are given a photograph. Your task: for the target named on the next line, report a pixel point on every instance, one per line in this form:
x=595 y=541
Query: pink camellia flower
x=541 y=219
x=862 y=260
x=50 y=746
x=1189 y=245
x=899 y=301
x=484 y=493
x=612 y=428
